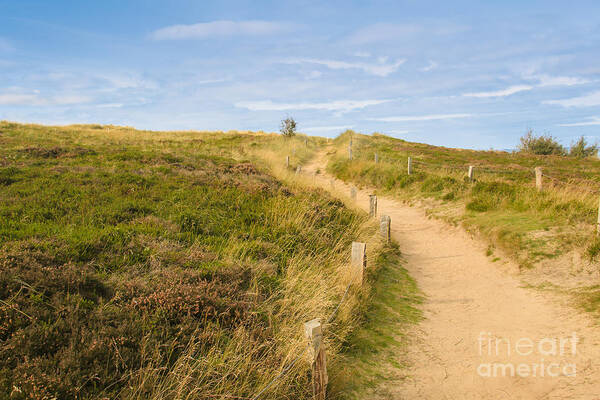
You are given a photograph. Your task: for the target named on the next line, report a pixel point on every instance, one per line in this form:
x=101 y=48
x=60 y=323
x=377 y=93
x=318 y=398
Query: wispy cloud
x=339 y=105
x=430 y=117
x=589 y=100
x=380 y=69
x=326 y=129
x=205 y=30
x=589 y=122
x=500 y=93
x=547 y=80
x=432 y=65
x=34 y=99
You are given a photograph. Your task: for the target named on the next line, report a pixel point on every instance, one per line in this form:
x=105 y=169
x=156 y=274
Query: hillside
x=550 y=234
x=169 y=265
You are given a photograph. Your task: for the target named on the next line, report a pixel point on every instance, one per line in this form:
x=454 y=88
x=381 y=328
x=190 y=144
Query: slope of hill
x=551 y=233
x=165 y=265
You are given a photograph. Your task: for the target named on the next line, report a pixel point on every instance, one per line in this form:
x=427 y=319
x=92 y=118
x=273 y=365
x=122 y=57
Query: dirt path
x=479 y=319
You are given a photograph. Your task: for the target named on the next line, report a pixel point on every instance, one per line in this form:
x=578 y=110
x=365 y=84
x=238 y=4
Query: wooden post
x=298 y=169
x=306 y=142
x=349 y=152
x=372 y=205
x=314 y=333
x=332 y=183
x=359 y=261
x=538 y=178
x=353 y=193
x=287 y=161
x=409 y=166
x=385 y=225
x=470 y=173
x=376 y=158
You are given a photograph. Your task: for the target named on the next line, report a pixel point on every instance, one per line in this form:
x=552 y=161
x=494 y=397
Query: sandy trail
x=470 y=302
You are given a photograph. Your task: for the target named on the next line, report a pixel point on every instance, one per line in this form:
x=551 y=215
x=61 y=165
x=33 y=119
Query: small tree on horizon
x=540 y=145
x=581 y=149
x=288 y=127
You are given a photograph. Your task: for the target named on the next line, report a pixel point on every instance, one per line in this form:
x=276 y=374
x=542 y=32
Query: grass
x=372 y=358
x=169 y=265
x=502 y=203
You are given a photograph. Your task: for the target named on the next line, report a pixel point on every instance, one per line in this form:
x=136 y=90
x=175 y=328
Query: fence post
x=376 y=158
x=314 y=333
x=298 y=169
x=359 y=260
x=306 y=142
x=353 y=193
x=349 y=152
x=372 y=205
x=409 y=166
x=287 y=161
x=538 y=178
x=470 y=173
x=385 y=227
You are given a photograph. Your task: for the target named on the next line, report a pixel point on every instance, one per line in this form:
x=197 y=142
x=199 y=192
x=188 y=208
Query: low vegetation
x=168 y=265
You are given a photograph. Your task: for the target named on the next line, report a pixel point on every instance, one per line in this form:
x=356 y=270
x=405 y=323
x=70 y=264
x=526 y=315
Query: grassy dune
x=555 y=226
x=168 y=265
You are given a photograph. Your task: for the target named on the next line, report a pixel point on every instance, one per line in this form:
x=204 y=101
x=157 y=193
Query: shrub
x=581 y=149
x=541 y=145
x=288 y=127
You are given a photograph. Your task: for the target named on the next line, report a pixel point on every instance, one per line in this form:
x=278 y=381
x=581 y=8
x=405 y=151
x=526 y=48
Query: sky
x=456 y=73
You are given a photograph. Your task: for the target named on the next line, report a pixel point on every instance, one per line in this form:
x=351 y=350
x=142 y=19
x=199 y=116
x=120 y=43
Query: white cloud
x=17 y=99
x=34 y=99
x=589 y=100
x=500 y=93
x=205 y=30
x=546 y=80
x=339 y=105
x=590 y=121
x=362 y=54
x=432 y=65
x=381 y=69
x=431 y=117
x=318 y=129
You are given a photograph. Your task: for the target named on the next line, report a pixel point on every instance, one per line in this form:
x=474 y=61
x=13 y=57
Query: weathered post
x=409 y=166
x=306 y=142
x=298 y=169
x=470 y=173
x=538 y=178
x=287 y=161
x=376 y=158
x=359 y=261
x=372 y=205
x=349 y=152
x=385 y=227
x=353 y=193
x=314 y=333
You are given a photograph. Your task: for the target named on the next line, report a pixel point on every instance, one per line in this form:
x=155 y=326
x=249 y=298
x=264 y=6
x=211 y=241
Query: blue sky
x=455 y=73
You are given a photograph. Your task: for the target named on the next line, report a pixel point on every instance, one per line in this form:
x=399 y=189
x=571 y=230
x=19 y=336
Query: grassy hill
x=551 y=234
x=167 y=265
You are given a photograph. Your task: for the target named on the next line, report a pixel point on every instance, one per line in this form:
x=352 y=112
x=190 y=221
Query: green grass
x=502 y=202
x=166 y=265
x=372 y=357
